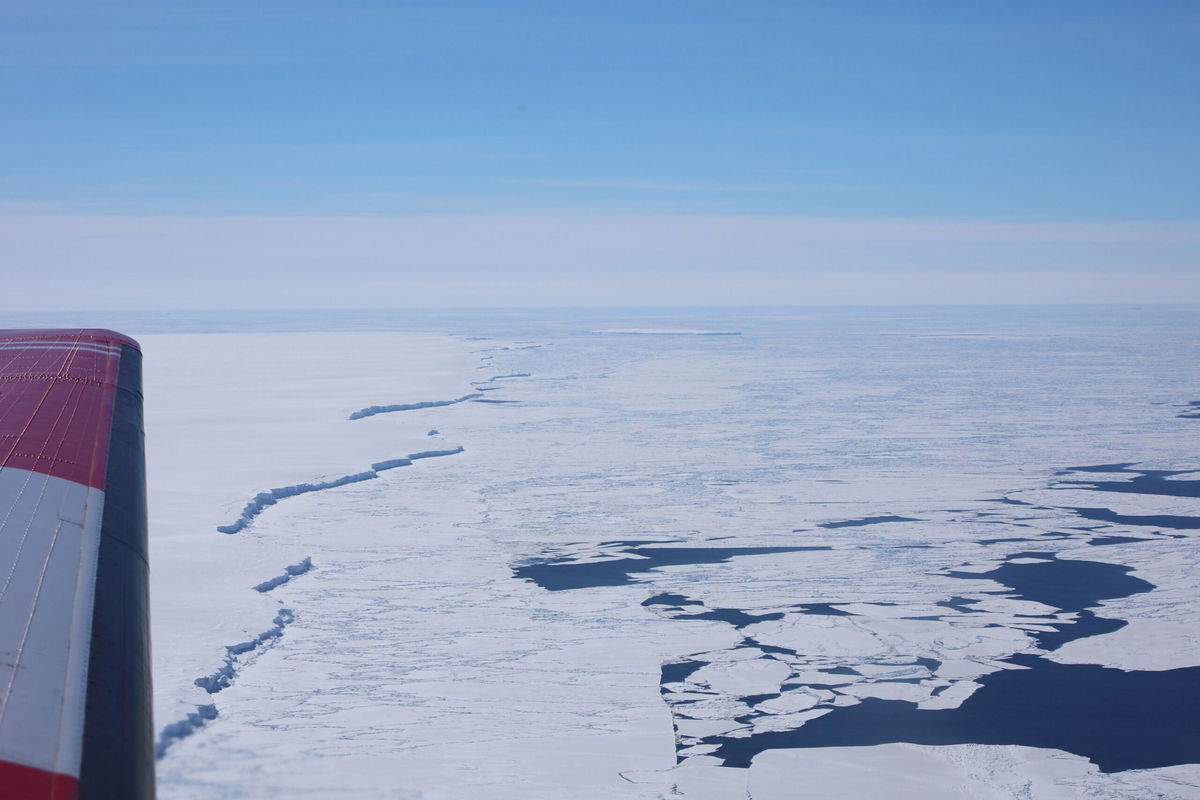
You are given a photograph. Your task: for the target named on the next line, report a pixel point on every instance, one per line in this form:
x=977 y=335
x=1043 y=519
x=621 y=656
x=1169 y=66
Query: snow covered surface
x=677 y=566
x=668 y=332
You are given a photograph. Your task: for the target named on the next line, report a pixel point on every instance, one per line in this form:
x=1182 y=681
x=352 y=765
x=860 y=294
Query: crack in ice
x=264 y=500
x=290 y=571
x=184 y=728
x=371 y=411
x=221 y=679
x=479 y=387
x=224 y=675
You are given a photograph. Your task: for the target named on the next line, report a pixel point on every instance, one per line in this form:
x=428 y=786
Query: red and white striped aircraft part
x=57 y=390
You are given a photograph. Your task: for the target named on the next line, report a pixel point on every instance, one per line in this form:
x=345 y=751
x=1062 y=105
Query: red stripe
x=19 y=782
x=56 y=402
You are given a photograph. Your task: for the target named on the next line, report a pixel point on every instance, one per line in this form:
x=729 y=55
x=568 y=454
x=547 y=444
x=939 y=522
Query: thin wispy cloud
x=651 y=185
x=516 y=260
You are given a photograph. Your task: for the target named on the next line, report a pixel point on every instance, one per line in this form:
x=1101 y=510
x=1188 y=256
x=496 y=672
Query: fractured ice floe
x=1092 y=711
x=1136 y=481
x=964 y=669
x=1150 y=520
x=857 y=523
x=567 y=572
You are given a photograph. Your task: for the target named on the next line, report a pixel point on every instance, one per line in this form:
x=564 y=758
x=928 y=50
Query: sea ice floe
x=745 y=444
x=667 y=332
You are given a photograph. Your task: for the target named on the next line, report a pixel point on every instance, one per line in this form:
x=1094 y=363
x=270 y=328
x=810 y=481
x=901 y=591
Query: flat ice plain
x=926 y=553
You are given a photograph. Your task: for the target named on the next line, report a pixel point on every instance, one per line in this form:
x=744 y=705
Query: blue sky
x=133 y=132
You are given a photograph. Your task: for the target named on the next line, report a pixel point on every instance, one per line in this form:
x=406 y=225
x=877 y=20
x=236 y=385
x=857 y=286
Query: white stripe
x=56 y=340
x=88 y=347
x=49 y=553
x=52 y=343
x=70 y=736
